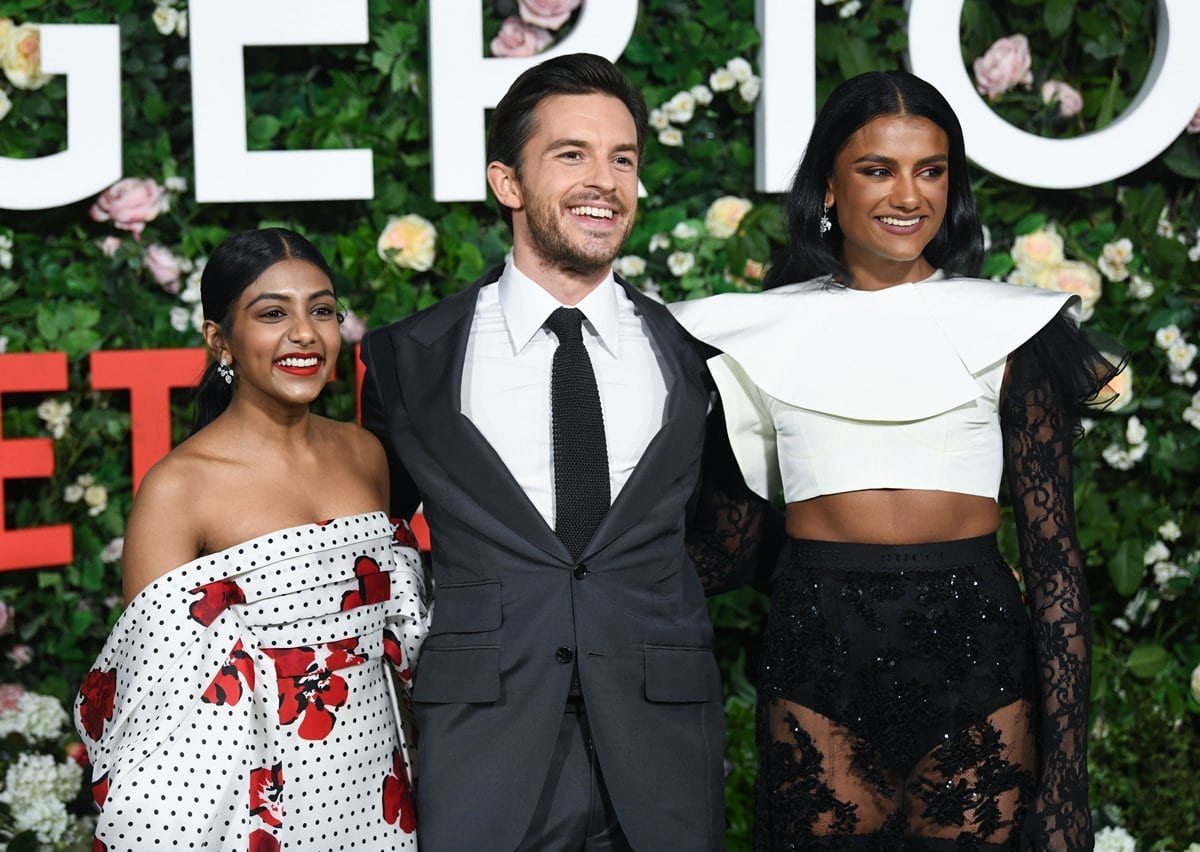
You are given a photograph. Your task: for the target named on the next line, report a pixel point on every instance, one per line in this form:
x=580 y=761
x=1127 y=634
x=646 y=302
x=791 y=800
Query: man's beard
x=554 y=247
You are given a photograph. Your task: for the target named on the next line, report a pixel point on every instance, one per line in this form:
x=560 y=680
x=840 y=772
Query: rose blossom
x=680 y=108
x=1073 y=276
x=20 y=656
x=680 y=262
x=130 y=203
x=353 y=327
x=740 y=68
x=671 y=137
x=7 y=615
x=165 y=19
x=408 y=241
x=163 y=267
x=1195 y=684
x=725 y=214
x=517 y=38
x=1118 y=392
x=629 y=266
x=1005 y=64
x=22 y=58
x=1193 y=126
x=1037 y=251
x=5 y=104
x=109 y=245
x=722 y=80
x=550 y=14
x=10 y=697
x=1070 y=101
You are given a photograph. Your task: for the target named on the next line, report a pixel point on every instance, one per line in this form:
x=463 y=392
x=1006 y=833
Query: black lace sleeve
x=1048 y=377
x=733 y=536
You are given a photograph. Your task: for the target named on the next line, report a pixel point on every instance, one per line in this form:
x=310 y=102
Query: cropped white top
x=828 y=389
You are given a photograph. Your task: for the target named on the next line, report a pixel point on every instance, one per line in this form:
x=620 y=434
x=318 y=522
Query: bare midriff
x=893 y=516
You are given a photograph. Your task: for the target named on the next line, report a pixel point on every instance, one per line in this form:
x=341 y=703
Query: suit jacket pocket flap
x=681 y=674
x=458 y=675
x=466 y=607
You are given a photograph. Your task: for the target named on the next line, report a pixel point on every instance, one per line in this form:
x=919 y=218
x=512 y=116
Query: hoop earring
x=225 y=371
x=824 y=224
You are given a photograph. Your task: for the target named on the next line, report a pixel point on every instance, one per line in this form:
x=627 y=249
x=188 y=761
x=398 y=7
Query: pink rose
x=163 y=267
x=10 y=697
x=1070 y=101
x=7 y=622
x=1005 y=64
x=517 y=38
x=550 y=14
x=20 y=656
x=353 y=328
x=109 y=245
x=1194 y=125
x=130 y=203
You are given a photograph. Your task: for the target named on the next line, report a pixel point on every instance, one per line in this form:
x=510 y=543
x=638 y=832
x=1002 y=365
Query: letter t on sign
x=25 y=458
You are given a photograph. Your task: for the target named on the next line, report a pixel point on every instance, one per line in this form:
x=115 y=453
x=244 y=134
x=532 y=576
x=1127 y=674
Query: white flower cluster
x=169 y=19
x=680 y=109
x=1157 y=557
x=36 y=789
x=189 y=314
x=85 y=488
x=1115 y=258
x=1180 y=354
x=113 y=550
x=1191 y=414
x=846 y=8
x=35 y=717
x=57 y=416
x=1123 y=458
x=1114 y=839
x=6 y=243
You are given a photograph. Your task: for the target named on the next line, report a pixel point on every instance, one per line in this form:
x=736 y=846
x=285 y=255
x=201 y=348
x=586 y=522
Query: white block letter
x=225 y=170
x=90 y=57
x=1154 y=119
x=784 y=115
x=463 y=84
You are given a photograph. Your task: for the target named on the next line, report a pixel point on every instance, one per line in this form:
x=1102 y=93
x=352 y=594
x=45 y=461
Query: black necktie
x=581 y=495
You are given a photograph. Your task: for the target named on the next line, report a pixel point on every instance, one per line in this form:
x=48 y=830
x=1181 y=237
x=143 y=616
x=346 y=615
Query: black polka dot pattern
x=251 y=699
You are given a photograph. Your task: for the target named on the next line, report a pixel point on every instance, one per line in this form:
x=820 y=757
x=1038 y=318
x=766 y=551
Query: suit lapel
x=432 y=384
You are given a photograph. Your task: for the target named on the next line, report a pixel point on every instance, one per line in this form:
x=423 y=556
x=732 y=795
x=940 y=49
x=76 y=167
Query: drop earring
x=225 y=371
x=825 y=225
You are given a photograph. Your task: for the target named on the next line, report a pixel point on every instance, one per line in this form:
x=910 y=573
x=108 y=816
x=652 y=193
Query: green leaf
x=1057 y=16
x=263 y=128
x=1125 y=567
x=1183 y=158
x=1146 y=661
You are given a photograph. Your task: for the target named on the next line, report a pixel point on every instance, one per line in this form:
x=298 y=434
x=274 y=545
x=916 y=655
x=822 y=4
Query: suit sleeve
x=381 y=374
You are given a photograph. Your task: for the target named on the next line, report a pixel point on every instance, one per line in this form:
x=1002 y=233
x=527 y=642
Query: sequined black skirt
x=896 y=693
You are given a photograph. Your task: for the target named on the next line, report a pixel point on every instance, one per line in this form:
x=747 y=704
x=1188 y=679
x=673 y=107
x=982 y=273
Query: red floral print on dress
x=397 y=796
x=100 y=791
x=405 y=536
x=394 y=651
x=98 y=691
x=261 y=840
x=266 y=794
x=374 y=586
x=215 y=599
x=226 y=687
x=308 y=688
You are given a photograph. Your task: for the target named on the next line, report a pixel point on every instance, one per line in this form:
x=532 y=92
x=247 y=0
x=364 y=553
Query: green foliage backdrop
x=1130 y=247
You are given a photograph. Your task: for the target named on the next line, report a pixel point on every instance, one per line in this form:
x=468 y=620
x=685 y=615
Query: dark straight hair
x=233 y=266
x=958 y=245
x=514 y=120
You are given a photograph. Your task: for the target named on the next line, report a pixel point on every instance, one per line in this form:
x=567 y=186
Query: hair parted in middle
x=957 y=247
x=514 y=120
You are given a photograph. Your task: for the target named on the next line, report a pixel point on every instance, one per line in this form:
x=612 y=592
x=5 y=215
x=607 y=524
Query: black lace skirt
x=896 y=700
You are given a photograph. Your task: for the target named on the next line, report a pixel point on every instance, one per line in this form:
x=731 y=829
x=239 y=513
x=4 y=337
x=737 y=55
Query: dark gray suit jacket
x=512 y=610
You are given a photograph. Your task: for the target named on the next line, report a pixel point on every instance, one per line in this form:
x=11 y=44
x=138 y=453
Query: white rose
x=1194 y=253
x=73 y=493
x=165 y=19
x=408 y=241
x=1112 y=270
x=1038 y=251
x=181 y=24
x=725 y=214
x=1140 y=288
x=175 y=183
x=1195 y=684
x=197 y=319
x=680 y=262
x=629 y=266
x=684 y=231
x=680 y=108
x=1181 y=355
x=1167 y=336
x=1135 y=432
x=180 y=318
x=740 y=69
x=722 y=80
x=5 y=104
x=748 y=90
x=702 y=93
x=113 y=550
x=1113 y=839
x=658 y=120
x=1170 y=530
x=96 y=497
x=6 y=259
x=1156 y=552
x=22 y=58
x=850 y=9
x=670 y=137
x=660 y=241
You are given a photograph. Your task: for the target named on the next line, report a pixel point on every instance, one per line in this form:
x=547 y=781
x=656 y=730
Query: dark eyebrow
x=889 y=161
x=279 y=297
x=579 y=143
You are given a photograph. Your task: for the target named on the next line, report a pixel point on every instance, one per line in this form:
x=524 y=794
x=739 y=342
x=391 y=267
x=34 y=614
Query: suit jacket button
x=564 y=654
x=581 y=571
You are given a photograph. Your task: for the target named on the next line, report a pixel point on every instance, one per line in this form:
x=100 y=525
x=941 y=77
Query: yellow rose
x=1038 y=251
x=725 y=214
x=408 y=241
x=22 y=58
x=1072 y=276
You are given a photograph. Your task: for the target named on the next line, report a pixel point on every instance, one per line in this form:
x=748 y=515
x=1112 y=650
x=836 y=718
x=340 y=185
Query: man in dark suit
x=551 y=419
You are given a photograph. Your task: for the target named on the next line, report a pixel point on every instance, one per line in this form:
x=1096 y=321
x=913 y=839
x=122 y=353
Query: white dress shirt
x=506 y=379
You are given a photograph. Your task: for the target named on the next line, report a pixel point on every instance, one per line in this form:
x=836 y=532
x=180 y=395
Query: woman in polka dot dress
x=249 y=697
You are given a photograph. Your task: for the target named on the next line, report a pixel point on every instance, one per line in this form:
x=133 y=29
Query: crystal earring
x=825 y=225
x=225 y=371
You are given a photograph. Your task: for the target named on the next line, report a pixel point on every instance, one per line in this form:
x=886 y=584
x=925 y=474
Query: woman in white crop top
x=909 y=696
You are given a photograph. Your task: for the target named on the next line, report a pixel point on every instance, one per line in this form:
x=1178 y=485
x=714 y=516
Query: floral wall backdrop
x=121 y=270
